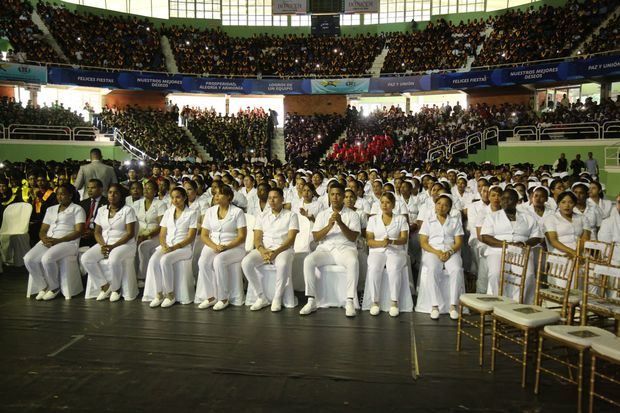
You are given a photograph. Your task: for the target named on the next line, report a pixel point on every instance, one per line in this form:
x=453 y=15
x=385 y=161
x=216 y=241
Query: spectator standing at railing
x=96 y=169
x=577 y=165
x=561 y=165
x=591 y=165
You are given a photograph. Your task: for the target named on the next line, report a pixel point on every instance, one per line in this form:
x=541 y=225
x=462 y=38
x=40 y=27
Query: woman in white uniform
x=441 y=238
x=136 y=192
x=387 y=236
x=610 y=231
x=274 y=237
x=223 y=233
x=514 y=227
x=60 y=237
x=310 y=206
x=178 y=231
x=564 y=229
x=590 y=210
x=149 y=211
x=597 y=197
x=115 y=233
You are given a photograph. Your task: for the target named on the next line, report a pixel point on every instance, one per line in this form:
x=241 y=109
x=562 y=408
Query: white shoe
x=454 y=314
x=260 y=303
x=206 y=304
x=374 y=309
x=276 y=305
x=103 y=295
x=221 y=305
x=349 y=309
x=434 y=314
x=309 y=308
x=40 y=296
x=156 y=302
x=394 y=311
x=50 y=295
x=115 y=296
x=168 y=302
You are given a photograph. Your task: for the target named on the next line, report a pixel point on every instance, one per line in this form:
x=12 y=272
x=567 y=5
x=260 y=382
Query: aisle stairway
x=277 y=144
x=204 y=155
x=578 y=50
x=377 y=64
x=38 y=21
x=166 y=49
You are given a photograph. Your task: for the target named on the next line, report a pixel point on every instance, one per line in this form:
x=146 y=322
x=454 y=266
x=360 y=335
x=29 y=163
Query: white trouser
x=91 y=260
x=344 y=257
x=145 y=250
x=478 y=257
x=394 y=264
x=43 y=262
x=161 y=267
x=213 y=269
x=494 y=261
x=284 y=267
x=435 y=268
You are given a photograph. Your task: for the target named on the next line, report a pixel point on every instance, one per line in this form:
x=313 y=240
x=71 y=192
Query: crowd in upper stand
x=12 y=112
x=608 y=37
x=154 y=131
x=544 y=33
x=26 y=38
x=106 y=41
x=133 y=43
x=234 y=136
x=307 y=137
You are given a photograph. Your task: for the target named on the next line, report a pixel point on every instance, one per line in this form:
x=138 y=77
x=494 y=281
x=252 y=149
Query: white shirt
x=254 y=207
x=568 y=232
x=605 y=205
x=63 y=223
x=147 y=220
x=529 y=208
x=247 y=193
x=392 y=231
x=177 y=230
x=497 y=225
x=313 y=208
x=115 y=228
x=592 y=212
x=240 y=200
x=276 y=227
x=400 y=208
x=610 y=232
x=222 y=231
x=129 y=201
x=412 y=205
x=363 y=204
x=335 y=239
x=440 y=236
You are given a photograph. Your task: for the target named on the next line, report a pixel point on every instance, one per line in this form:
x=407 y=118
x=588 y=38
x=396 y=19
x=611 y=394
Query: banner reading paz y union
x=361 y=6
x=289 y=6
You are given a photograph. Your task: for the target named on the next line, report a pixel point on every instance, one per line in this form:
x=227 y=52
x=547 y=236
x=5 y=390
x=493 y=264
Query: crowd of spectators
x=441 y=45
x=580 y=112
x=542 y=33
x=154 y=131
x=12 y=112
x=608 y=37
x=26 y=39
x=231 y=136
x=308 y=137
x=104 y=41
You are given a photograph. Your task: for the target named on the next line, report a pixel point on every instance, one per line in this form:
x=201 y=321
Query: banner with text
x=361 y=6
x=339 y=86
x=12 y=72
x=289 y=6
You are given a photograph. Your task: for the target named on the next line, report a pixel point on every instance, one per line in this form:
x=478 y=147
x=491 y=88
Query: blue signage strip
x=550 y=72
x=13 y=72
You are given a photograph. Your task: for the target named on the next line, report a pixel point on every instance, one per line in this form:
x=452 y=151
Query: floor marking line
x=66 y=346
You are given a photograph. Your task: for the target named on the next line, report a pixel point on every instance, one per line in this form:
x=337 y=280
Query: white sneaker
x=374 y=309
x=103 y=295
x=168 y=302
x=349 y=308
x=276 y=305
x=50 y=295
x=206 y=304
x=221 y=305
x=454 y=314
x=260 y=303
x=40 y=296
x=394 y=311
x=115 y=296
x=434 y=314
x=156 y=302
x=309 y=308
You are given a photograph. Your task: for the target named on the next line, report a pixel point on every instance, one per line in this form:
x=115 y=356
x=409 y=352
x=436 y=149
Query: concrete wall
x=20 y=150
x=315 y=104
x=122 y=98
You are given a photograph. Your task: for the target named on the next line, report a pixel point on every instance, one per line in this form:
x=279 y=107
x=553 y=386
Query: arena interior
x=310 y=205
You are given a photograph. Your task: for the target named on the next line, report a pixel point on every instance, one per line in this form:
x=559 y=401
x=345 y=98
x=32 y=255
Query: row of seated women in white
x=223 y=232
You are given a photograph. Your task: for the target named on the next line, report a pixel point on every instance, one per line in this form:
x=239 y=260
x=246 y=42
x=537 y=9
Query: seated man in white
x=274 y=237
x=336 y=229
x=60 y=237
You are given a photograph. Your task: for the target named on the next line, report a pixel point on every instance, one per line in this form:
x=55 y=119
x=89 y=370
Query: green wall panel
x=48 y=151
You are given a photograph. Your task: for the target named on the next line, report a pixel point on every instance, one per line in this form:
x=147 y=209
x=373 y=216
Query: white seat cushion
x=526 y=315
x=483 y=302
x=609 y=347
x=557 y=295
x=581 y=335
x=603 y=306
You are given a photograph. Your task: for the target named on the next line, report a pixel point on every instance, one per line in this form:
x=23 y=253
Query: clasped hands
x=336 y=218
x=49 y=241
x=267 y=255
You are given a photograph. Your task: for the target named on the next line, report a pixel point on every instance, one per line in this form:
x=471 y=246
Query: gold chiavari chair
x=520 y=323
x=605 y=365
x=512 y=274
x=574 y=341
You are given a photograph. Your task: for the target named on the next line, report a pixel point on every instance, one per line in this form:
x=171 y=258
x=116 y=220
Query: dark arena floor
x=81 y=356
